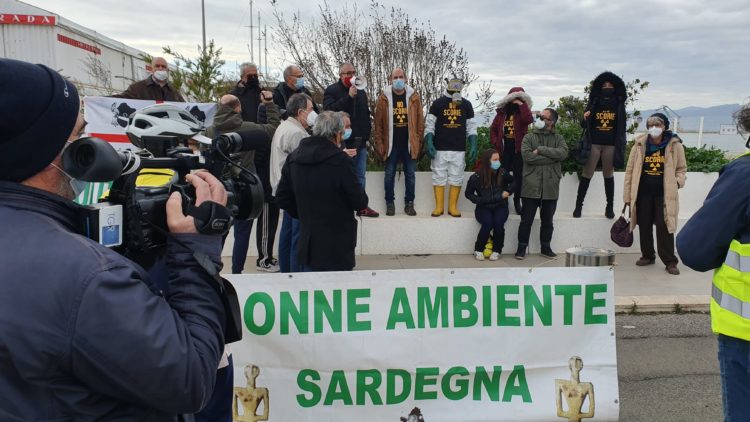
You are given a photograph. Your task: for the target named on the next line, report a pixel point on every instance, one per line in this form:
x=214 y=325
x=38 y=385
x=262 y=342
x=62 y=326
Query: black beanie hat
x=663 y=118
x=38 y=111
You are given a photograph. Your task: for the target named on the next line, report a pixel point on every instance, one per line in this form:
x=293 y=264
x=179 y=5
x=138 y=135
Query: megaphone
x=359 y=82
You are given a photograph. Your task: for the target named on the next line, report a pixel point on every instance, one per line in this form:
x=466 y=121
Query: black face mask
x=608 y=92
x=253 y=80
x=511 y=108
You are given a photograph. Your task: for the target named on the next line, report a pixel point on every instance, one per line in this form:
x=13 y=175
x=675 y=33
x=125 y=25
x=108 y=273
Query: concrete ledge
x=663 y=303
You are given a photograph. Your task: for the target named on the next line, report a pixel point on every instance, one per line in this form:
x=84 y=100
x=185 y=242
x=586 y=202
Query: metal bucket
x=584 y=256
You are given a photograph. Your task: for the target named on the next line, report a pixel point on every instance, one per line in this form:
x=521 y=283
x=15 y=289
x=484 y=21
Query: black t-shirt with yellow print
x=604 y=123
x=450 y=125
x=652 y=172
x=400 y=121
x=508 y=133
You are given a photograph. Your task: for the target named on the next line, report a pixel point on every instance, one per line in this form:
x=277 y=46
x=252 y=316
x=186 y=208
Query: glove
x=472 y=148
x=428 y=140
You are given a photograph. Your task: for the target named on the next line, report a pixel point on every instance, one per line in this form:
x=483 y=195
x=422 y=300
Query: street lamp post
x=203 y=16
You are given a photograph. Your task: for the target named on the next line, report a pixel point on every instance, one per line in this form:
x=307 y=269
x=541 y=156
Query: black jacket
x=595 y=97
x=249 y=97
x=319 y=187
x=281 y=95
x=492 y=196
x=336 y=98
x=84 y=335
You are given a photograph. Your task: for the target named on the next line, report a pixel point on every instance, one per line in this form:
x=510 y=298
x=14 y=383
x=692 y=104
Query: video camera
x=132 y=220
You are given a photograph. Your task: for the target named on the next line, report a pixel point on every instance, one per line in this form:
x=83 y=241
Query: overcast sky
x=694 y=53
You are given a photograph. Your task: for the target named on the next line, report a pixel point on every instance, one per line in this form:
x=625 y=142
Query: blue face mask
x=76 y=185
x=399 y=84
x=300 y=83
x=495 y=165
x=347 y=133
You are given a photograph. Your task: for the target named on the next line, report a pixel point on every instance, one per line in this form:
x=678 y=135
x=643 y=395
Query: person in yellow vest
x=717 y=237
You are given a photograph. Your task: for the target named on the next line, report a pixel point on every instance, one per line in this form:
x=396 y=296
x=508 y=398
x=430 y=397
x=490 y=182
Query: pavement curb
x=664 y=303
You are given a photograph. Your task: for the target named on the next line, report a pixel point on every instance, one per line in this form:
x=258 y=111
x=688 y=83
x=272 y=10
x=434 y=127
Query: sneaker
x=643 y=261
x=409 y=209
x=494 y=256
x=271 y=266
x=479 y=256
x=672 y=269
x=548 y=253
x=390 y=208
x=521 y=252
x=368 y=212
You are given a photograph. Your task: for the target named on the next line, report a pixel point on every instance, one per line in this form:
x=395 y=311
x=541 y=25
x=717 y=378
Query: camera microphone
x=94 y=160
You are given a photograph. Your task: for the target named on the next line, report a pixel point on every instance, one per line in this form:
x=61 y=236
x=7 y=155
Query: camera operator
x=83 y=333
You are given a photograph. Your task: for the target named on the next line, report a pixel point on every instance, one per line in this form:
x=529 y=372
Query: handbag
x=582 y=148
x=620 y=232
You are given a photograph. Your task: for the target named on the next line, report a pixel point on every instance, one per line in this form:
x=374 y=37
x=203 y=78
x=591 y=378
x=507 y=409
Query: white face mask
x=161 y=75
x=539 y=123
x=311 y=117
x=655 y=131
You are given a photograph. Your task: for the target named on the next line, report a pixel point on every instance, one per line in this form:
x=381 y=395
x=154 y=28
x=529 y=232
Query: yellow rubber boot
x=439 y=201
x=455 y=192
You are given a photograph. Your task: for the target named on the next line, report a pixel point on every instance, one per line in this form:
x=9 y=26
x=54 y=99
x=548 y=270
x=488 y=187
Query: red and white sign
x=80 y=44
x=13 y=19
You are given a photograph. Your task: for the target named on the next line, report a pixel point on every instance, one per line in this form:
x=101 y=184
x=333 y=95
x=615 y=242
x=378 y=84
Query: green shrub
x=704 y=159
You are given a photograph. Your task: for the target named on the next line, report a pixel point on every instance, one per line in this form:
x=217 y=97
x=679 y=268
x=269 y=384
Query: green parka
x=542 y=171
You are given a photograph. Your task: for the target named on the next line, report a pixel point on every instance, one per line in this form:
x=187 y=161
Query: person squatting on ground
x=508 y=128
x=489 y=188
x=656 y=170
x=716 y=238
x=449 y=126
x=319 y=187
x=156 y=87
x=344 y=96
x=229 y=119
x=285 y=140
x=85 y=335
x=604 y=137
x=399 y=129
x=543 y=151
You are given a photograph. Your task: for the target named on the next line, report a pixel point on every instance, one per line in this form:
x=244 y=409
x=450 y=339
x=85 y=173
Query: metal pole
x=252 y=58
x=700 y=134
x=265 y=42
x=260 y=50
x=203 y=16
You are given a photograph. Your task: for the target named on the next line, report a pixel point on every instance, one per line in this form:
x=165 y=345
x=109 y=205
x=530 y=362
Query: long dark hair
x=485 y=170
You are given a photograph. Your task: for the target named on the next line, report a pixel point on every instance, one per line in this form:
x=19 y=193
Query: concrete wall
x=423 y=234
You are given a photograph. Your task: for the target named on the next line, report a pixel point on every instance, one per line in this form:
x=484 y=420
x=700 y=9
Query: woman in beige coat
x=656 y=169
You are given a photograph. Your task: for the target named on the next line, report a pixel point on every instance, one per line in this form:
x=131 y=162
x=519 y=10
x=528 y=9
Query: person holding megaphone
x=348 y=95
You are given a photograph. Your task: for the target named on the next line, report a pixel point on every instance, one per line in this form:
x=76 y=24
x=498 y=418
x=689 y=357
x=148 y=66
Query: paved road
x=668 y=369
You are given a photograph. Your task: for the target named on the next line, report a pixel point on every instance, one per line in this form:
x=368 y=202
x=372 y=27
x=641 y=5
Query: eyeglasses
x=352 y=73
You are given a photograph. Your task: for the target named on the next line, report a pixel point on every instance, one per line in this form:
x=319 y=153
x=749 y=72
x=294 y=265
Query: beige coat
x=674 y=178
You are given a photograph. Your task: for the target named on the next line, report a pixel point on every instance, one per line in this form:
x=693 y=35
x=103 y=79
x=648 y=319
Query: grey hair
x=344 y=114
x=288 y=71
x=344 y=64
x=248 y=65
x=328 y=125
x=297 y=103
x=653 y=120
x=742 y=117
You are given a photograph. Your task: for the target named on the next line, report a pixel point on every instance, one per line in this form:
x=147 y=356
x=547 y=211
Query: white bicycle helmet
x=161 y=122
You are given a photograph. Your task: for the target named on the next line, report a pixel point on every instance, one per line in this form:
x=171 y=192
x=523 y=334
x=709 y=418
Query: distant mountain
x=713 y=117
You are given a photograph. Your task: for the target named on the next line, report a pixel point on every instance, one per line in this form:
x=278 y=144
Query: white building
x=36 y=35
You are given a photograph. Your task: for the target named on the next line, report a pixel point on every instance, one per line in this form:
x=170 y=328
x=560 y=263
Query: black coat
x=336 y=98
x=249 y=97
x=595 y=96
x=492 y=196
x=319 y=187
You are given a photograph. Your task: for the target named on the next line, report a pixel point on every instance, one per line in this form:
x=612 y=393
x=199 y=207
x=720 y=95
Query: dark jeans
x=219 y=407
x=268 y=222
x=734 y=362
x=517 y=176
x=410 y=167
x=548 y=207
x=649 y=212
x=509 y=154
x=288 y=239
x=491 y=219
x=360 y=165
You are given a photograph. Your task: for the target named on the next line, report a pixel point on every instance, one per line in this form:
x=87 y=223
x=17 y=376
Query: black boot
x=583 y=187
x=521 y=251
x=547 y=251
x=609 y=191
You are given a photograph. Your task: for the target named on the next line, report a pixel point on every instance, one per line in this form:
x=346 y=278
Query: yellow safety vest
x=730 y=292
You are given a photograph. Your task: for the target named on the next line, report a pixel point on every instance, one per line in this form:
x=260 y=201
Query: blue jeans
x=492 y=220
x=410 y=167
x=734 y=361
x=288 y=239
x=360 y=165
x=242 y=230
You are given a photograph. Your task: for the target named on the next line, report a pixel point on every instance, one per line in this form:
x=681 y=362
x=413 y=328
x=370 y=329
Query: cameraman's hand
x=351 y=152
x=207 y=188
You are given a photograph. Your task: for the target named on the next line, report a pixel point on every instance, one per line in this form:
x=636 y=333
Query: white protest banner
x=107 y=117
x=500 y=344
